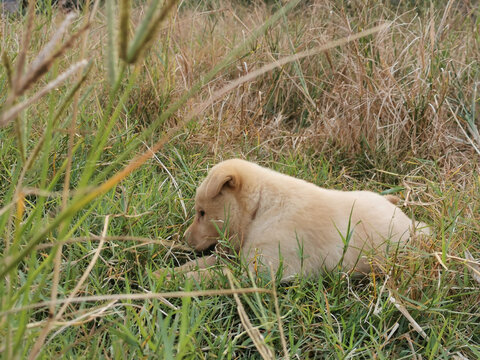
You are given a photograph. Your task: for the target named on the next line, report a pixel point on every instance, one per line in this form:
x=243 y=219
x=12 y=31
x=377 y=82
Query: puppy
x=272 y=219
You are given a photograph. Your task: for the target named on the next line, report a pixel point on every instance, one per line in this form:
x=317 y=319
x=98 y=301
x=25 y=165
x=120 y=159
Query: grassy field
x=109 y=119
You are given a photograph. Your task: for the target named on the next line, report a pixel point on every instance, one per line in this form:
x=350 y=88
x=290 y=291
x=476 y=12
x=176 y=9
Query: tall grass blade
x=147 y=31
x=124 y=28
x=27 y=35
x=8 y=69
x=13 y=112
x=111 y=40
x=40 y=67
x=143 y=30
x=45 y=54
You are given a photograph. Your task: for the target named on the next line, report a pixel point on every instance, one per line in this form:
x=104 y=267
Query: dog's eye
x=201 y=213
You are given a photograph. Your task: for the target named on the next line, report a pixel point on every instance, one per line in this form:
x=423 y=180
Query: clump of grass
x=391 y=93
x=84 y=224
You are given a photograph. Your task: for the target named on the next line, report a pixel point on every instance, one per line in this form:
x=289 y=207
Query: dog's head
x=219 y=205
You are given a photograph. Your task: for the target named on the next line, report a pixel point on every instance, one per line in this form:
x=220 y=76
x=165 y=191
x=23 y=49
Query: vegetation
x=109 y=119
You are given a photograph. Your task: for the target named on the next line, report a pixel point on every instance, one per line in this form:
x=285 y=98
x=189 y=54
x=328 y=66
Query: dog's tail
x=393 y=199
x=420 y=227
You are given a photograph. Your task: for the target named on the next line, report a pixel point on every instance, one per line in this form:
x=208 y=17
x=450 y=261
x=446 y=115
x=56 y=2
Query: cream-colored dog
x=271 y=218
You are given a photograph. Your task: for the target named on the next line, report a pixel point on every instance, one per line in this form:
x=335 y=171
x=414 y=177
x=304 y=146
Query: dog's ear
x=220 y=180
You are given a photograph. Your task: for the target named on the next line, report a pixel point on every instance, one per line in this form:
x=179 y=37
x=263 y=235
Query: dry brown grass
x=396 y=93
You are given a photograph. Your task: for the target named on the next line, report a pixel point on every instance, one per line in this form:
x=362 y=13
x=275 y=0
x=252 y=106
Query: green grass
x=394 y=112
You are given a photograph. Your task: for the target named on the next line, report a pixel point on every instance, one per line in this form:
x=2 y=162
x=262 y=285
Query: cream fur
x=266 y=212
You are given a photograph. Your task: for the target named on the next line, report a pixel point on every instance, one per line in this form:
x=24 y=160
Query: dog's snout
x=187 y=235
